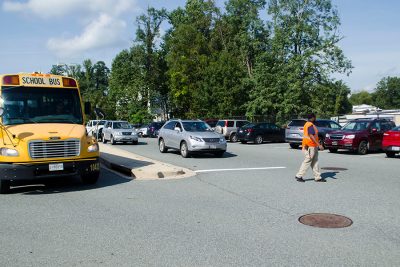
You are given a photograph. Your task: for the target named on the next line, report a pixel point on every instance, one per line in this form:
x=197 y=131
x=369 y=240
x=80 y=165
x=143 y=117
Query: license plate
x=294 y=135
x=213 y=147
x=334 y=143
x=56 y=167
x=395 y=148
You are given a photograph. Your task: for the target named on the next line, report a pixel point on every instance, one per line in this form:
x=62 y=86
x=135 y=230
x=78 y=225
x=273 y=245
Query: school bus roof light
x=11 y=80
x=68 y=82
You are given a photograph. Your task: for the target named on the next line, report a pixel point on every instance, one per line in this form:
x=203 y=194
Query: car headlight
x=195 y=138
x=222 y=140
x=8 y=152
x=93 y=148
x=350 y=136
x=328 y=135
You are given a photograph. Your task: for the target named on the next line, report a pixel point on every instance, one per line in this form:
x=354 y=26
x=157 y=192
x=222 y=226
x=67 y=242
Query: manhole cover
x=325 y=220
x=334 y=169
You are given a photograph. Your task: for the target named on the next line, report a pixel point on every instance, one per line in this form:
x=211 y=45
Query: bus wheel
x=90 y=178
x=4 y=186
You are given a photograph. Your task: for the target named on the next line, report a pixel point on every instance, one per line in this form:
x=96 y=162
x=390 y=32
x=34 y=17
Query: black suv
x=360 y=135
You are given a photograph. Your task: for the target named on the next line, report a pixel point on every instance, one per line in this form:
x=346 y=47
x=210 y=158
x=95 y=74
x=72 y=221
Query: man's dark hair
x=310 y=116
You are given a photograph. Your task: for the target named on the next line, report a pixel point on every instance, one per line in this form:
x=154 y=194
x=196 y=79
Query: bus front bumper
x=32 y=171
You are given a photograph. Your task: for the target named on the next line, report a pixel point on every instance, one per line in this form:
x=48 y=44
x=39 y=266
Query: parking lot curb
x=139 y=167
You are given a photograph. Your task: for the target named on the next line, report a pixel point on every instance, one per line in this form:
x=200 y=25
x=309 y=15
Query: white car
x=143 y=131
x=95 y=127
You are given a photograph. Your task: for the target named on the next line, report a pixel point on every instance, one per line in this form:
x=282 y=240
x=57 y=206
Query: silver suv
x=228 y=128
x=119 y=131
x=191 y=136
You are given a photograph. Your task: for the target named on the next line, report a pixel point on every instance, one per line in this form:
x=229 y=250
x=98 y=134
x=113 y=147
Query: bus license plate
x=56 y=167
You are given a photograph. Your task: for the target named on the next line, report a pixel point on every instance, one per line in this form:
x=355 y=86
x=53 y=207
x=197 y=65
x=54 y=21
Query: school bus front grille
x=54 y=149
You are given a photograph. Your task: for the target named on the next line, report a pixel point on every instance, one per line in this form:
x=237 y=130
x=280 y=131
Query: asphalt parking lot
x=240 y=210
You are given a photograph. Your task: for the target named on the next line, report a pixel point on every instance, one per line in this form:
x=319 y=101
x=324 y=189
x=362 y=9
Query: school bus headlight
x=93 y=148
x=8 y=152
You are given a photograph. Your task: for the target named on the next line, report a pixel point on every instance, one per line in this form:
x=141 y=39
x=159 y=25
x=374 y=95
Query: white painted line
x=240 y=169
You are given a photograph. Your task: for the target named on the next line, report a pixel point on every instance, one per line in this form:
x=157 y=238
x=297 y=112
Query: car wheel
x=4 y=186
x=390 y=154
x=219 y=154
x=104 y=139
x=112 y=140
x=162 y=147
x=362 y=148
x=258 y=140
x=185 y=150
x=243 y=142
x=90 y=178
x=233 y=138
x=294 y=146
x=333 y=150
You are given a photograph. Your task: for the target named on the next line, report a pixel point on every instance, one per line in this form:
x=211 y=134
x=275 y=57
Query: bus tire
x=90 y=178
x=4 y=186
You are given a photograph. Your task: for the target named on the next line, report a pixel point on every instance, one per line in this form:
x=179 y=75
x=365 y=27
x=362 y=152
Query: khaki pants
x=311 y=159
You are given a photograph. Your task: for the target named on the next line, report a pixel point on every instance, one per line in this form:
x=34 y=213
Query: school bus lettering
x=54 y=81
x=33 y=81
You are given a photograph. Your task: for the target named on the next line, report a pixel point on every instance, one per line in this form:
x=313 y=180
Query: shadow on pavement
x=325 y=175
x=204 y=155
x=65 y=184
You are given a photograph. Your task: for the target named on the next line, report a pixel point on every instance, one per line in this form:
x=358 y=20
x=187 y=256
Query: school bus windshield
x=24 y=105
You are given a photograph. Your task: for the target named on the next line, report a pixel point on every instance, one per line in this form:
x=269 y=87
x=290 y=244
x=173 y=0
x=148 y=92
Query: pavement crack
x=245 y=197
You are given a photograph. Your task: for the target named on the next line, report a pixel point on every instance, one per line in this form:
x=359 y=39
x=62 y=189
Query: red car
x=391 y=142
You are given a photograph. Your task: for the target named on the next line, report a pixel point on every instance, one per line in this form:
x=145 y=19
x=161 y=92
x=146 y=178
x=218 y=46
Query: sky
x=37 y=34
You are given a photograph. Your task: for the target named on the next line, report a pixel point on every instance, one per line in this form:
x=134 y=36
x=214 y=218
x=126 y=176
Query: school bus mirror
x=88 y=108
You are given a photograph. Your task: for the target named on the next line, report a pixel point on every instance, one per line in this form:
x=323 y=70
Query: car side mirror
x=177 y=129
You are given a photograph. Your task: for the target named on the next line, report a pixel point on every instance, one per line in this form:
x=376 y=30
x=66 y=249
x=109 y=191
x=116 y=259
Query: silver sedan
x=119 y=131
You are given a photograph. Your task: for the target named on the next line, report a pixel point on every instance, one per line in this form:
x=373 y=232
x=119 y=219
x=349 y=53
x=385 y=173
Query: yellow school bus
x=42 y=132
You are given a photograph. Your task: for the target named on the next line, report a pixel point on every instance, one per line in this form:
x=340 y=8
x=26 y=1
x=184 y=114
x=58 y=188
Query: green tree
x=387 y=93
x=361 y=97
x=304 y=54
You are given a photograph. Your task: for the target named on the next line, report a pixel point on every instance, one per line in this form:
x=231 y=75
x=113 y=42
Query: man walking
x=310 y=146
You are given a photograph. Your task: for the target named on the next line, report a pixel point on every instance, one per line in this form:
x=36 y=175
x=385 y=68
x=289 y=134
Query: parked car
x=295 y=128
x=361 y=136
x=228 y=128
x=119 y=131
x=95 y=127
x=260 y=132
x=211 y=122
x=143 y=131
x=391 y=142
x=154 y=127
x=191 y=136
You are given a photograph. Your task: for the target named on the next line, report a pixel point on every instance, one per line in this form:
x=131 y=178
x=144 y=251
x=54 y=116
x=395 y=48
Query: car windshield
x=24 y=105
x=356 y=126
x=249 y=125
x=122 y=125
x=297 y=123
x=197 y=126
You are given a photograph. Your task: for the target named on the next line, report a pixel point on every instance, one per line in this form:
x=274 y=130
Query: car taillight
x=301 y=129
x=250 y=130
